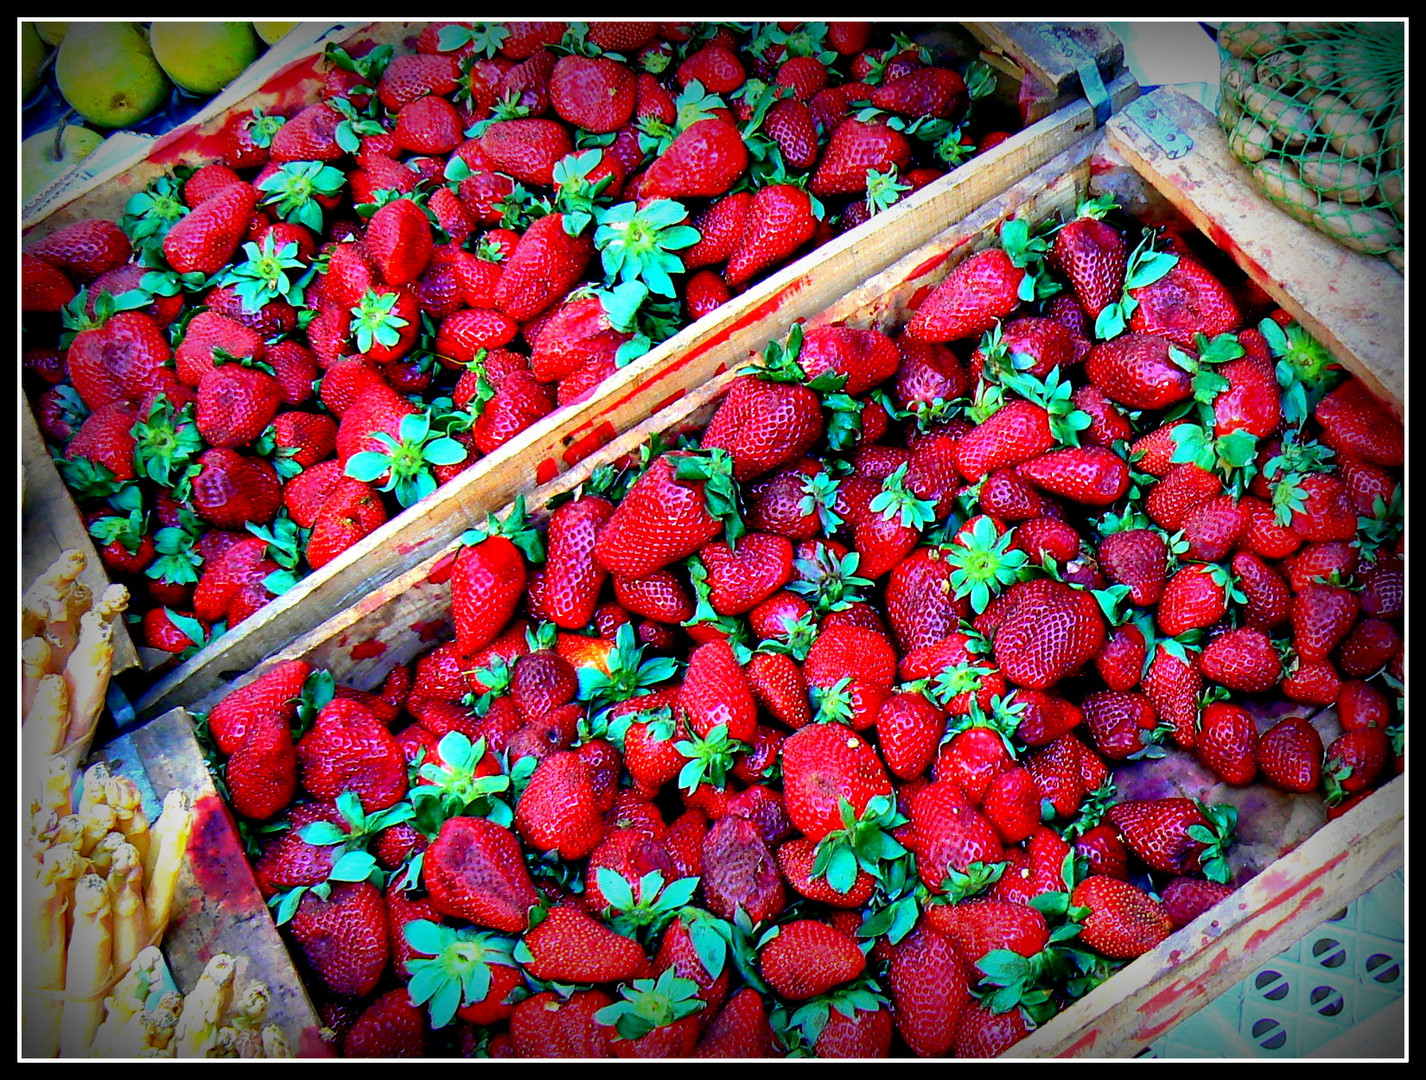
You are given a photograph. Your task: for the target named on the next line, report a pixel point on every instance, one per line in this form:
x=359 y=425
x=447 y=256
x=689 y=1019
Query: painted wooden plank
x=50 y=523
x=217 y=906
x=1279 y=906
x=1354 y=304
x=569 y=434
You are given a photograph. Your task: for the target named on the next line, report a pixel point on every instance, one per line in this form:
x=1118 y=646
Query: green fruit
x=204 y=57
x=45 y=155
x=108 y=74
x=52 y=33
x=273 y=32
x=32 y=55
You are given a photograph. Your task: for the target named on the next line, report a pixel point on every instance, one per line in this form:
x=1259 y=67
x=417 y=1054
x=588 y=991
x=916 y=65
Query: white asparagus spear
x=48 y=724
x=89 y=966
x=131 y=924
x=47 y=594
x=45 y=899
x=123 y=795
x=62 y=629
x=204 y=1007
x=168 y=848
x=121 y=1035
x=87 y=673
x=34 y=666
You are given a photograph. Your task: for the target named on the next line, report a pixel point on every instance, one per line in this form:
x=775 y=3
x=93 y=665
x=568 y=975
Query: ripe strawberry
x=808 y=957
x=1049 y=631
x=793 y=126
x=705 y=159
x=398 y=240
x=661 y=519
x=1290 y=755
x=593 y=93
x=739 y=871
x=1355 y=423
x=1012 y=804
x=231 y=490
x=764 y=425
x=1355 y=760
x=235 y=404
x=867 y=357
x=1196 y=596
x=1137 y=370
x=342 y=939
x=1013 y=434
x=854 y=149
x=1322 y=615
x=929 y=989
x=350 y=513
x=1228 y=742
x=43 y=287
x=83 y=250
x=1165 y=834
x=824 y=765
x=1185 y=899
x=739 y=1030
x=980 y=290
x=544 y=265
x=310 y=135
x=779 y=221
x=204 y=241
x=1092 y=254
x=927 y=91
x=983 y=1033
x=390 y=1027
x=348 y=748
x=1118 y=722
x=1091 y=475
x=123 y=359
x=1137 y=558
x=1371 y=645
x=948 y=836
x=1123 y=920
x=1242 y=659
x=908 y=730
x=487 y=582
x=261 y=774
x=1174 y=685
x=1185 y=302
x=864 y=1034
x=715 y=67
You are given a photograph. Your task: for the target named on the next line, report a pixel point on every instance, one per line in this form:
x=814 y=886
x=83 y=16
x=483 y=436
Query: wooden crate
x=561 y=439
x=1287 y=897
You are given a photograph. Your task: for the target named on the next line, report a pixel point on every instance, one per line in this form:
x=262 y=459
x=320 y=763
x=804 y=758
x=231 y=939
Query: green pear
x=108 y=74
x=273 y=32
x=52 y=33
x=32 y=55
x=204 y=57
x=46 y=155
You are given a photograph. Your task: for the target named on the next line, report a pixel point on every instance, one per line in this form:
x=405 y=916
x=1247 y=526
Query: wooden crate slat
x=1278 y=907
x=561 y=439
x=1354 y=304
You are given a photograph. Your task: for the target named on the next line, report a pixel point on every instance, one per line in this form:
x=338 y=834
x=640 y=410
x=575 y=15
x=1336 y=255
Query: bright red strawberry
x=779 y=221
x=398 y=240
x=1013 y=434
x=1091 y=475
x=1185 y=899
x=1290 y=755
x=348 y=748
x=261 y=774
x=1092 y=254
x=948 y=836
x=1355 y=760
x=546 y=262
x=793 y=126
x=1322 y=615
x=204 y=241
x=715 y=67
x=739 y=1030
x=560 y=809
x=854 y=149
x=231 y=491
x=927 y=91
x=593 y=93
x=487 y=582
x=43 y=287
x=1123 y=920
x=863 y=1034
x=84 y=249
x=716 y=692
x=1138 y=370
x=808 y=957
x=1161 y=833
x=705 y=159
x=1354 y=422
x=390 y=1027
x=979 y=291
x=740 y=871
x=235 y=404
x=867 y=357
x=1118 y=722
x=720 y=228
x=661 y=519
x=351 y=512
x=764 y=425
x=824 y=765
x=1195 y=597
x=1228 y=742
x=1049 y=631
x=1174 y=685
x=1243 y=659
x=929 y=989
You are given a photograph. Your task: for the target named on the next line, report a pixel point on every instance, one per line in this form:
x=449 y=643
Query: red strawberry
x=927 y=91
x=1357 y=424
x=1185 y=302
x=1322 y=615
x=1123 y=920
x=593 y=93
x=1196 y=596
x=1290 y=755
x=1174 y=685
x=779 y=221
x=342 y=939
x=1091 y=475
x=398 y=240
x=546 y=262
x=1049 y=631
x=716 y=692
x=1355 y=761
x=390 y=1027
x=351 y=512
x=1137 y=370
x=716 y=68
x=793 y=126
x=43 y=287
x=980 y=290
x=661 y=519
x=808 y=957
x=560 y=809
x=1185 y=899
x=261 y=774
x=1228 y=742
x=487 y=582
x=1092 y=254
x=235 y=404
x=348 y=748
x=823 y=765
x=866 y=357
x=908 y=730
x=1160 y=832
x=1013 y=434
x=548 y=1025
x=1242 y=659
x=740 y=1030
x=764 y=425
x=983 y=1033
x=705 y=159
x=948 y=835
x=739 y=871
x=84 y=249
x=855 y=149
x=864 y=1034
x=1118 y=722
x=703 y=293
x=204 y=241
x=475 y=870
x=231 y=491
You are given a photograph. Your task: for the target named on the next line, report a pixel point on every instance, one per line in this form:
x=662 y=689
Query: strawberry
x=1355 y=760
x=1174 y=685
x=593 y=93
x=124 y=358
x=390 y=1027
x=235 y=404
x=348 y=748
x=342 y=939
x=1138 y=559
x=1242 y=659
x=929 y=989
x=983 y=1033
x=231 y=491
x=663 y=517
x=1290 y=755
x=398 y=240
x=949 y=837
x=204 y=241
x=1093 y=256
x=1185 y=302
x=739 y=871
x=1174 y=835
x=43 y=287
x=1357 y=424
x=1012 y=804
x=1228 y=742
x=1015 y=433
x=1196 y=596
x=927 y=91
x=788 y=422
x=487 y=581
x=1119 y=722
x=550 y=1025
x=1138 y=370
x=808 y=957
x=793 y=126
x=716 y=693
x=310 y=135
x=980 y=290
x=715 y=67
x=866 y=357
x=855 y=149
x=908 y=730
x=570 y=945
x=351 y=512
x=1322 y=615
x=474 y=870
x=83 y=250
x=824 y=765
x=705 y=159
x=545 y=263
x=1049 y=631
x=1091 y=475
x=856 y=1033
x=261 y=774
x=779 y=221
x=1371 y=645
x=1185 y=899
x=1123 y=920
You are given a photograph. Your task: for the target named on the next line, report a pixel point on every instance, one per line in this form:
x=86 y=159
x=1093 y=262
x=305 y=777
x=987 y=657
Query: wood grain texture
x=1354 y=304
x=566 y=436
x=1284 y=902
x=217 y=906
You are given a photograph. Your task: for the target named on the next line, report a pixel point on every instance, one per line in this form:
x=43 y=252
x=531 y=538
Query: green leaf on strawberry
x=649 y=1004
x=293 y=189
x=452 y=968
x=638 y=243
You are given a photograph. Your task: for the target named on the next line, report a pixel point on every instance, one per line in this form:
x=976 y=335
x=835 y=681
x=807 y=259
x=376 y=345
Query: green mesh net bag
x=1317 y=111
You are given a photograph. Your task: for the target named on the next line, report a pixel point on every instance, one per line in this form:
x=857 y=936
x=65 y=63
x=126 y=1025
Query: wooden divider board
x=569 y=434
x=1354 y=304
x=1278 y=906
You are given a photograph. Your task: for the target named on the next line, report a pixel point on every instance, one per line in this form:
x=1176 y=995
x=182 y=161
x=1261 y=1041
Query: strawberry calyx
x=404 y=465
x=177 y=560
x=895 y=503
x=863 y=842
x=286 y=541
x=722 y=497
x=355 y=122
x=710 y=758
x=650 y=1004
x=1054 y=394
x=1217 y=836
x=293 y=189
x=455 y=787
x=149 y=214
x=798 y=637
x=576 y=196
x=1295 y=459
x=819 y=496
x=833 y=704
x=369 y=67
x=638 y=243
x=1145 y=266
x=629 y=674
x=642 y=909
x=482 y=38
x=798 y=1029
x=983 y=562
x=1231 y=456
x=166 y=443
x=126 y=530
x=1382 y=526
x=374 y=321
x=883 y=189
x=1305 y=370
x=1028 y=250
x=514 y=526
x=453 y=966
x=1009 y=980
x=828 y=582
x=973 y=880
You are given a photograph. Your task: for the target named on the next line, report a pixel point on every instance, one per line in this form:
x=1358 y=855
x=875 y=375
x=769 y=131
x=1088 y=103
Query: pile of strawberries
x=271 y=355
x=799 y=736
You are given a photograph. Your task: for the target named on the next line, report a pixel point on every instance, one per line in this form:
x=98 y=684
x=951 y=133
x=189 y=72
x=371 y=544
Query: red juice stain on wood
x=219 y=865
x=428 y=629
x=408 y=546
x=441 y=572
x=583 y=447
x=922 y=269
x=546 y=471
x=1083 y=1045
x=368 y=649
x=666 y=402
